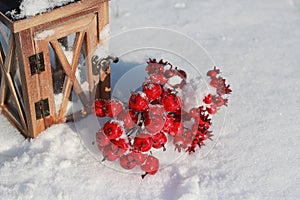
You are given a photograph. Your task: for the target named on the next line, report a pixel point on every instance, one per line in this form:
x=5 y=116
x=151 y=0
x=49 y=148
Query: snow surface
x=257 y=156
x=30 y=8
x=42 y=35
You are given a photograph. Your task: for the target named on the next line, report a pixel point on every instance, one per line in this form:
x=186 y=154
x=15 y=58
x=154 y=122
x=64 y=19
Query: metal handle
x=102 y=62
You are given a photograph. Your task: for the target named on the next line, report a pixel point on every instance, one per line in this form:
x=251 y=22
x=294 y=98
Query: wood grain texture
x=55 y=14
x=30 y=84
x=45 y=82
x=67 y=67
x=66 y=28
x=6 y=69
x=3 y=84
x=86 y=18
x=14 y=122
x=91 y=45
x=68 y=83
x=6 y=21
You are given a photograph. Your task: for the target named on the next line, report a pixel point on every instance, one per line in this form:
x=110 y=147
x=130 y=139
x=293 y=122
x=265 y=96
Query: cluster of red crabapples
x=154 y=116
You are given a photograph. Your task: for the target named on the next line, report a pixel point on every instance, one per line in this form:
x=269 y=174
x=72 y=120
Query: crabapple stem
x=164 y=148
x=143 y=175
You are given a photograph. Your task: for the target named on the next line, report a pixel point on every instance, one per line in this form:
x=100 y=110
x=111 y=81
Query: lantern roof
x=11 y=11
x=20 y=9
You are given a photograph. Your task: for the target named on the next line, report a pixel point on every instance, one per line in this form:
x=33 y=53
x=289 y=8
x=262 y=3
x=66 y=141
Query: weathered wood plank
x=7 y=74
x=91 y=45
x=55 y=14
x=64 y=20
x=2 y=86
x=103 y=18
x=13 y=120
x=45 y=82
x=66 y=66
x=6 y=21
x=65 y=29
x=30 y=84
x=68 y=83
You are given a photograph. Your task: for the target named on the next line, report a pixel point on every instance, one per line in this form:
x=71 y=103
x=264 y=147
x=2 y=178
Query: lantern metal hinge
x=42 y=109
x=102 y=63
x=37 y=64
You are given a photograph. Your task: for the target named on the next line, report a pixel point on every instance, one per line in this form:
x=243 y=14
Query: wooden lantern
x=30 y=76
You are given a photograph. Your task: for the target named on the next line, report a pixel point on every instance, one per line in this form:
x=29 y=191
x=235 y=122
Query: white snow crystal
x=193 y=93
x=104 y=34
x=46 y=33
x=142 y=94
x=30 y=8
x=179 y=5
x=174 y=80
x=257 y=154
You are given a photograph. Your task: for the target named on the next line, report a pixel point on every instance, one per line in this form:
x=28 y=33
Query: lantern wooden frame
x=30 y=107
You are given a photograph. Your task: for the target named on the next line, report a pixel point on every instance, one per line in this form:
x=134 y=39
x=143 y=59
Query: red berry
x=151 y=165
x=204 y=125
x=109 y=154
x=180 y=115
x=128 y=118
x=114 y=107
x=213 y=73
x=139 y=157
x=178 y=142
x=159 y=140
x=194 y=113
x=212 y=109
x=195 y=127
x=113 y=129
x=100 y=109
x=182 y=73
x=170 y=73
x=154 y=123
x=156 y=110
x=155 y=67
x=101 y=139
x=127 y=161
x=171 y=102
x=218 y=100
x=177 y=129
x=208 y=99
x=189 y=134
x=143 y=142
x=134 y=115
x=214 y=83
x=169 y=122
x=152 y=90
x=121 y=143
x=138 y=102
x=158 y=78
x=187 y=142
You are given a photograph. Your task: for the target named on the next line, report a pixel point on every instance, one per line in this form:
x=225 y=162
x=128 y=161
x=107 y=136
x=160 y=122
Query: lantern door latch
x=102 y=63
x=37 y=64
x=42 y=109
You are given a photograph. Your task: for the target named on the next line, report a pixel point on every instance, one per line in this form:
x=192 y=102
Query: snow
x=46 y=33
x=30 y=8
x=180 y=5
x=256 y=44
x=175 y=80
x=104 y=34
